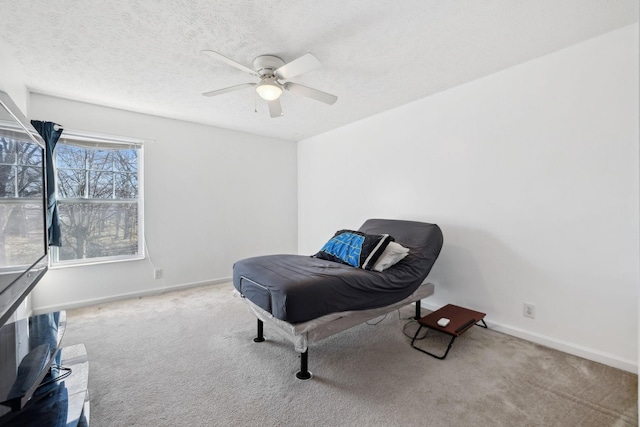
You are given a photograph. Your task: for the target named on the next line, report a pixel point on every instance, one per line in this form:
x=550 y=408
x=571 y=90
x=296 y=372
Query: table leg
x=431 y=354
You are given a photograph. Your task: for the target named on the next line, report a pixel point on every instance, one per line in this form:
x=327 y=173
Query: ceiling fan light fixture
x=269 y=89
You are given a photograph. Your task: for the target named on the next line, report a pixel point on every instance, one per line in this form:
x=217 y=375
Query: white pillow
x=393 y=253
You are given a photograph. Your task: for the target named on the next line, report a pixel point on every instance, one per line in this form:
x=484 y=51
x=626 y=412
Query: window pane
x=126 y=185
x=7 y=151
x=7 y=181
x=126 y=160
x=29 y=181
x=101 y=160
x=95 y=230
x=100 y=185
x=21 y=232
x=28 y=154
x=71 y=183
x=70 y=157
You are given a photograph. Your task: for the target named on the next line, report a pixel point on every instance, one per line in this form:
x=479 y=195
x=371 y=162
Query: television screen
x=23 y=244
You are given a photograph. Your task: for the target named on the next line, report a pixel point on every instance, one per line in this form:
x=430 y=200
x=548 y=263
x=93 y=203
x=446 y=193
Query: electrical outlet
x=529 y=310
x=157 y=273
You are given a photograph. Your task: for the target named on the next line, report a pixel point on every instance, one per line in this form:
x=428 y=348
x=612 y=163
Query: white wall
x=212 y=196
x=532 y=173
x=11 y=81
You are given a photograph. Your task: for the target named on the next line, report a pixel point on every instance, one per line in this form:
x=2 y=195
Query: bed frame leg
x=260 y=336
x=417 y=310
x=303 y=373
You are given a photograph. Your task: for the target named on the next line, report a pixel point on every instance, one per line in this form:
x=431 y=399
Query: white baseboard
x=566 y=347
x=112 y=298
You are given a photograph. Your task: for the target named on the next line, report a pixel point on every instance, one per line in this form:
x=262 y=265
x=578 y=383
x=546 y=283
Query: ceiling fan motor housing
x=266 y=64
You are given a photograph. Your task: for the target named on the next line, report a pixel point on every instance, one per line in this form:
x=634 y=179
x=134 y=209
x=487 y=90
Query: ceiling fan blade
x=228 y=89
x=316 y=94
x=298 y=66
x=229 y=61
x=275 y=108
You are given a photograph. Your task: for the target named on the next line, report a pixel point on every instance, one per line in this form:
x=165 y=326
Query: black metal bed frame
x=304 y=373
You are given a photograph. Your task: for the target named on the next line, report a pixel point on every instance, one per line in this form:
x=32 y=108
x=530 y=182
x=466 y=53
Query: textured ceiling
x=144 y=55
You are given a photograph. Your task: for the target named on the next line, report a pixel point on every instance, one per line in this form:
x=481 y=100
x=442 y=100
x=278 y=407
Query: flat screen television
x=23 y=220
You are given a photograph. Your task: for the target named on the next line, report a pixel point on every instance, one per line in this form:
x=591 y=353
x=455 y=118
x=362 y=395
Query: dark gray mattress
x=297 y=288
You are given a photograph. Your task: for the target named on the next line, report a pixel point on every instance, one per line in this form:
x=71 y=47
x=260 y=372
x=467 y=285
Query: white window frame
x=97 y=140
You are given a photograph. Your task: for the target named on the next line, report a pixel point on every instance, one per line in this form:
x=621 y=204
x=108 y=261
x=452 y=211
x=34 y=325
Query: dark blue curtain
x=50 y=135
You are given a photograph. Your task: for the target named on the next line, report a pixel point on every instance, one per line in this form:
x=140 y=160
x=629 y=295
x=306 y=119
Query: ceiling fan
x=272 y=72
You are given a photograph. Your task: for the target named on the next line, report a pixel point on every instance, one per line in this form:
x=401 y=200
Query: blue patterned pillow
x=355 y=248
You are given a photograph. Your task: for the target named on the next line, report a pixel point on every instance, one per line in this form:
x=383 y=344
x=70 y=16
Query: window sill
x=94 y=261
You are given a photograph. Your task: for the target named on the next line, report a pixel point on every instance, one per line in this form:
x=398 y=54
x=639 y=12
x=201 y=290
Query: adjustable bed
x=308 y=298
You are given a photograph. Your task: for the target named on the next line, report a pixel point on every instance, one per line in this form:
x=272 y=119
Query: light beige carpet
x=187 y=359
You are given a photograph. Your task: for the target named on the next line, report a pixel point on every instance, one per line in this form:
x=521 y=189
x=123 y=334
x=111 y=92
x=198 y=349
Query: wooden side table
x=461 y=319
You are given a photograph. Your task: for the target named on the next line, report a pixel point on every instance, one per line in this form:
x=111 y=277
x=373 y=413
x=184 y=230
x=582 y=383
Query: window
x=99 y=190
x=21 y=199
